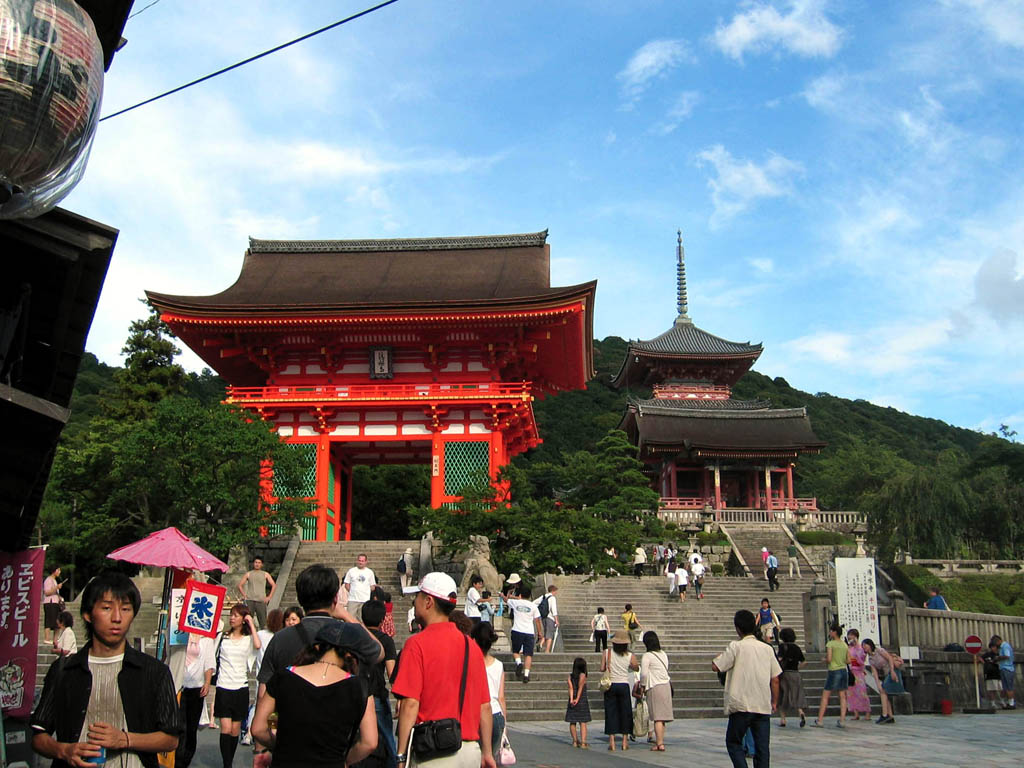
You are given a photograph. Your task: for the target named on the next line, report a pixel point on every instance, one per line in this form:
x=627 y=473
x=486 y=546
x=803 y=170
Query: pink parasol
x=169 y=548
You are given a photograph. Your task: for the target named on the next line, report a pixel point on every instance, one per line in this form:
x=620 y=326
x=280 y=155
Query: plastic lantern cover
x=51 y=83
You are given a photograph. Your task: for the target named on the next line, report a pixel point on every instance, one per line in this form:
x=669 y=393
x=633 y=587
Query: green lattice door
x=304 y=486
x=464 y=461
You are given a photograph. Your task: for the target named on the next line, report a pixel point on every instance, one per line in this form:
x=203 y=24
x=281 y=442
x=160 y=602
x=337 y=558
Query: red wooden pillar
x=323 y=476
x=436 y=470
x=768 y=487
x=789 y=483
x=339 y=504
x=757 y=490
x=349 y=471
x=673 y=481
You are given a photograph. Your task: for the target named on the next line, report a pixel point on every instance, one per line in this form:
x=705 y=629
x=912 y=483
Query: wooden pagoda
x=703 y=447
x=393 y=352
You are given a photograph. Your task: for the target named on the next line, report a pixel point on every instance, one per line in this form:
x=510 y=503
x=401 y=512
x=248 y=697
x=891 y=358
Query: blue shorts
x=836 y=680
x=1006 y=675
x=522 y=642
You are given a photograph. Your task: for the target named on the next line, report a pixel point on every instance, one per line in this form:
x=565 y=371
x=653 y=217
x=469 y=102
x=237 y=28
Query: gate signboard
x=855 y=593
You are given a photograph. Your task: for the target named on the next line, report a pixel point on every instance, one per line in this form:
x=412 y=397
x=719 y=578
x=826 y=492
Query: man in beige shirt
x=751 y=690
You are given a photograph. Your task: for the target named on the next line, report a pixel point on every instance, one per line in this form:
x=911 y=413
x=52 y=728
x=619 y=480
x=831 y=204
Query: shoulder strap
x=465 y=670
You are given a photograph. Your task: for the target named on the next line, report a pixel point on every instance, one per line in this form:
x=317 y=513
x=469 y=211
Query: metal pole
x=165 y=605
x=977 y=683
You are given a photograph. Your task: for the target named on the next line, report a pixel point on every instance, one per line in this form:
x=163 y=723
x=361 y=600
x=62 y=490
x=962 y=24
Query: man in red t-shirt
x=430 y=674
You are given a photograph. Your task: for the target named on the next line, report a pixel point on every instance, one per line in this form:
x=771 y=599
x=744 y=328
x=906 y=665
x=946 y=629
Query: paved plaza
x=923 y=741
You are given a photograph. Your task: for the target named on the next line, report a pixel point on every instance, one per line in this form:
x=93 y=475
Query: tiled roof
x=534 y=239
x=696 y=429
x=685 y=338
x=682 y=403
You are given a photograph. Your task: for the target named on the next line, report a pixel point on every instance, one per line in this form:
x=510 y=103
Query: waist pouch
x=436 y=738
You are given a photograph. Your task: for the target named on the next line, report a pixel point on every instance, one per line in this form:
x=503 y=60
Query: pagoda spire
x=681 y=305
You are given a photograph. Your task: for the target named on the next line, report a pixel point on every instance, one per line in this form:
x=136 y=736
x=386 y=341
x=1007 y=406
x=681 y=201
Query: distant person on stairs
x=764 y=561
x=773 y=571
x=639 y=560
x=253 y=588
x=794 y=560
x=599 y=626
x=698 y=570
x=525 y=629
x=405 y=568
x=360 y=580
x=630 y=622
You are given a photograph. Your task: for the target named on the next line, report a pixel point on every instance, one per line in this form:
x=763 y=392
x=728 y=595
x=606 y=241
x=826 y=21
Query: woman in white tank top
x=484 y=635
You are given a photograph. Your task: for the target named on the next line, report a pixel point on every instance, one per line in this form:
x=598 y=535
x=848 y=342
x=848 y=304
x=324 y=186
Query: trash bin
x=928 y=687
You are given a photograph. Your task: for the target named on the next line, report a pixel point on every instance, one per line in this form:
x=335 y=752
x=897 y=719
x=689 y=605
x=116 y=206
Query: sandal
x=660 y=748
x=584 y=745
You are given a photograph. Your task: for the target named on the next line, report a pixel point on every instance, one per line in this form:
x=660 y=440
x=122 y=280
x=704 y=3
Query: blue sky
x=847 y=175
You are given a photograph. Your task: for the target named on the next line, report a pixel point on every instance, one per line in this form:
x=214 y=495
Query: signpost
x=973 y=646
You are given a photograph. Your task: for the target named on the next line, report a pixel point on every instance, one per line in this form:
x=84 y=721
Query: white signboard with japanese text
x=855 y=593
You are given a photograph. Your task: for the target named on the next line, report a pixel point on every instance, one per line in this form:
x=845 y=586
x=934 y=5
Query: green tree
x=150 y=373
x=197 y=467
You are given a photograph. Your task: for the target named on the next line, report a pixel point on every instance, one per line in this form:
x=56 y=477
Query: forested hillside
x=932 y=488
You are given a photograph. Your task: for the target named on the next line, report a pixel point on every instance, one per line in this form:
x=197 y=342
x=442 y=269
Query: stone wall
x=821 y=555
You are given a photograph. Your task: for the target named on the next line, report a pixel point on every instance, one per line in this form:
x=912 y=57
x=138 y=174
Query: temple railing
x=746 y=515
x=391 y=392
x=684 y=502
x=926 y=628
x=818 y=518
x=954 y=567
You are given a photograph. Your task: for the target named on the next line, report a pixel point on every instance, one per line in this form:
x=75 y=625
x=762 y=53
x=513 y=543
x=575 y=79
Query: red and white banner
x=201 y=608
x=21 y=594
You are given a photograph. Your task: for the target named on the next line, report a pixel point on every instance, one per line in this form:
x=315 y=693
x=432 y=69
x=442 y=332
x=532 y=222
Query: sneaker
x=890 y=720
x=803 y=721
x=816 y=724
x=839 y=724
x=526 y=679
x=881 y=719
x=519 y=671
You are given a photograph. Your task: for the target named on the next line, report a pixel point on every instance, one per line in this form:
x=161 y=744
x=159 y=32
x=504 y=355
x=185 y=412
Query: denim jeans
x=386 y=728
x=759 y=726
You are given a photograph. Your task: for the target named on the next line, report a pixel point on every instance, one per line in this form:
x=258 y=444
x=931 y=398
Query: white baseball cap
x=437 y=585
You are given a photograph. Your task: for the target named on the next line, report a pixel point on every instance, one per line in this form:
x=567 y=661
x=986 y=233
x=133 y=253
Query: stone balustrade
x=948 y=569
x=925 y=628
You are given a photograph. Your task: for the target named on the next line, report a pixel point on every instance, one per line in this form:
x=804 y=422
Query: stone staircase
x=692 y=634
x=750 y=537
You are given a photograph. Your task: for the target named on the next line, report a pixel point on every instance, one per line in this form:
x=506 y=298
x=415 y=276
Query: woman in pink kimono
x=857 y=696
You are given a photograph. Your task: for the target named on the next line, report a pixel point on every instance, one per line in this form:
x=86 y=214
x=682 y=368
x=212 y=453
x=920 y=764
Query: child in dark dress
x=578 y=709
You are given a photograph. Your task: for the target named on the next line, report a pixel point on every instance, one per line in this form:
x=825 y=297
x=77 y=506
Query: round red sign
x=973 y=644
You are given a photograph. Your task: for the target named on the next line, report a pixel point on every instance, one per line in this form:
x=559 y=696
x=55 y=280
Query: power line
x=250 y=59
x=145 y=8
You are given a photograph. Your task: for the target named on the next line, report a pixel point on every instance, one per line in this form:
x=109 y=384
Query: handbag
x=641 y=723
x=638 y=690
x=606 y=680
x=440 y=738
x=505 y=755
x=633 y=623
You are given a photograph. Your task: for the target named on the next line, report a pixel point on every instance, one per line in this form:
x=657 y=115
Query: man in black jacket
x=121 y=699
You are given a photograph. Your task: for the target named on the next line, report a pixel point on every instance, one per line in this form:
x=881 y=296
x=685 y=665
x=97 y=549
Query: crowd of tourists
x=334 y=690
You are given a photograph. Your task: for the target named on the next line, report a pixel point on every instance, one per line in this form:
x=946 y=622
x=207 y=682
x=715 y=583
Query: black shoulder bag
x=440 y=738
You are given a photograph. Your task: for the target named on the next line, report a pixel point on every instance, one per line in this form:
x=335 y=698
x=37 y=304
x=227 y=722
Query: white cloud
x=652 y=60
x=609 y=138
x=738 y=184
x=681 y=109
x=999 y=287
x=803 y=30
x=826 y=347
x=924 y=126
x=1003 y=20
x=764 y=266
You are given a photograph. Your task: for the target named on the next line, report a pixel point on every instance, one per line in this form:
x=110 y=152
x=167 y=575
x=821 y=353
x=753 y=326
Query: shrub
x=713 y=539
x=824 y=538
x=717 y=569
x=972 y=592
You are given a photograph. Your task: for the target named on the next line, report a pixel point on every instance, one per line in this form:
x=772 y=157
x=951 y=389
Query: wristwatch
x=401 y=758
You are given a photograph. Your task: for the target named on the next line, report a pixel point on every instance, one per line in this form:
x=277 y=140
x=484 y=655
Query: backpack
x=543 y=607
x=402 y=567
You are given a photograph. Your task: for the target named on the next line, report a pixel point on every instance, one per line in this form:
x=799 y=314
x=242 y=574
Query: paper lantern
x=51 y=83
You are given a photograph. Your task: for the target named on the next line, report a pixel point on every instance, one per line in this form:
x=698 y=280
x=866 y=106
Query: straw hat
x=621 y=636
x=513 y=579
x=408 y=550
